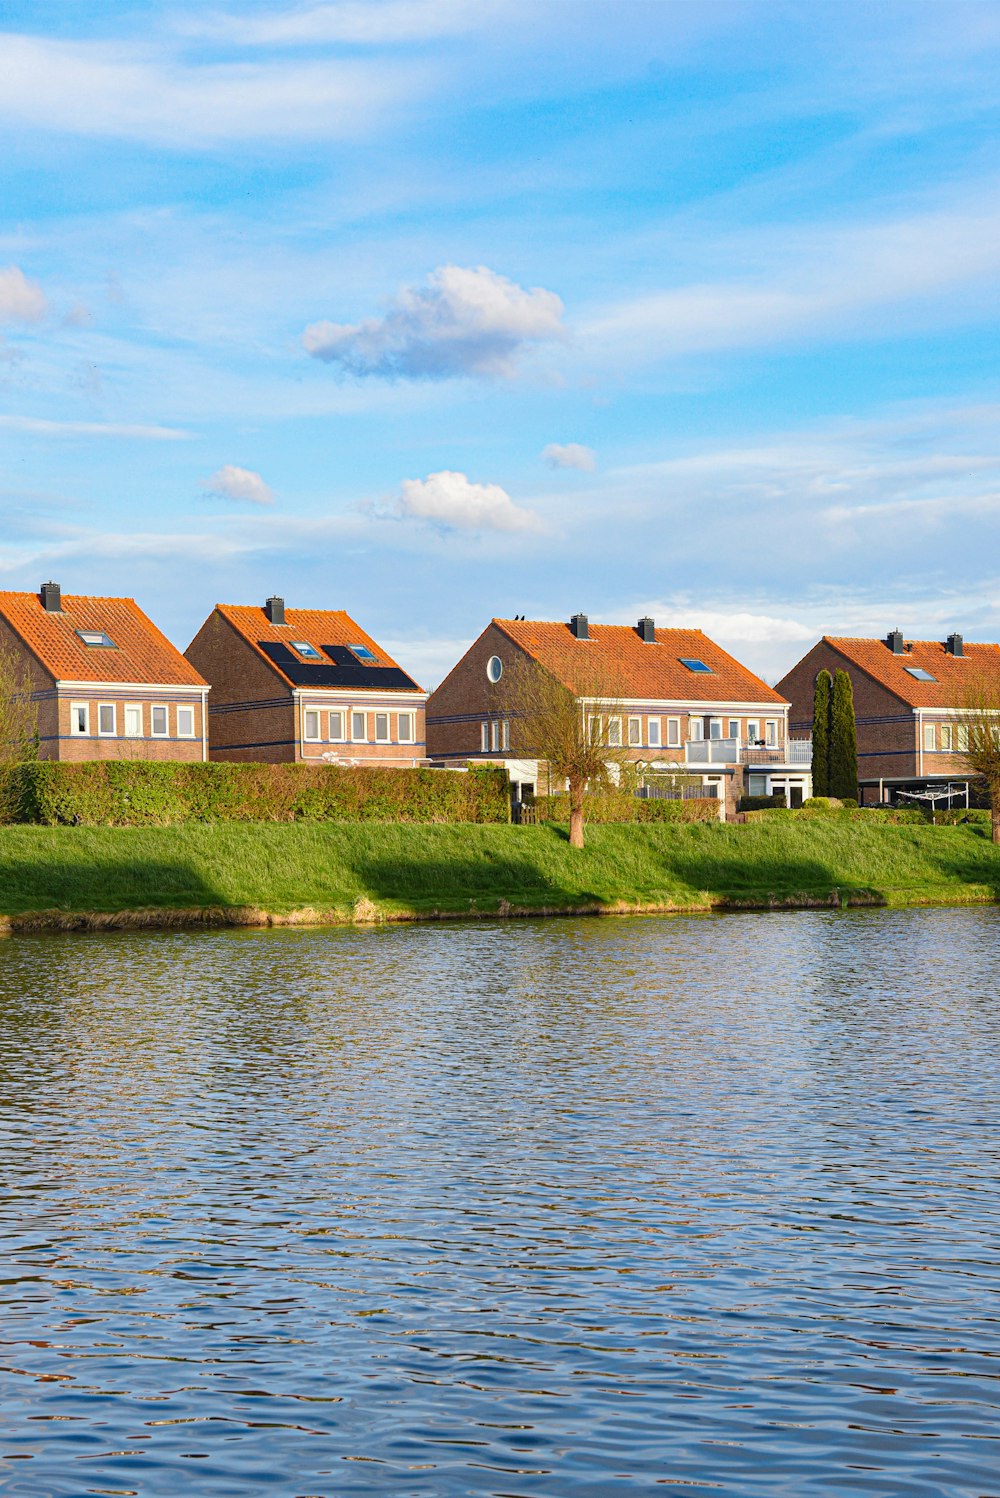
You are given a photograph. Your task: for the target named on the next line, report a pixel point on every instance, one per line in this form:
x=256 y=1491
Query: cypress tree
x=821 y=735
x=843 y=739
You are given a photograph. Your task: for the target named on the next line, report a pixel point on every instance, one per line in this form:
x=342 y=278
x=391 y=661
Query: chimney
x=955 y=645
x=51 y=598
x=274 y=608
x=894 y=640
x=578 y=627
x=647 y=631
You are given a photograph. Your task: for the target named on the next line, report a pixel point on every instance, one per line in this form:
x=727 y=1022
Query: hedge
x=760 y=803
x=622 y=808
x=140 y=793
x=892 y=815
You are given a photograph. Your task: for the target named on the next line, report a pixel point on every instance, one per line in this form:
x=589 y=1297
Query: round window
x=494 y=668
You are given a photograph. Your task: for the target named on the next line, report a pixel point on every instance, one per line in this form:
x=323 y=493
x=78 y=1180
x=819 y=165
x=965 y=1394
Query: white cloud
x=230 y=482
x=570 y=455
x=143 y=93
x=36 y=427
x=359 y=22
x=453 y=500
x=21 y=300
x=462 y=321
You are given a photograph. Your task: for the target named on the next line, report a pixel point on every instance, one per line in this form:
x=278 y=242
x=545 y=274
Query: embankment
x=238 y=874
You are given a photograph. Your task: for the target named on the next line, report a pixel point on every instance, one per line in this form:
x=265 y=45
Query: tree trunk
x=576 y=814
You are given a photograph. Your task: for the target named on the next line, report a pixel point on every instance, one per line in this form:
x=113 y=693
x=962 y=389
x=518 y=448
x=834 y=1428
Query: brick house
x=107 y=684
x=305 y=684
x=907 y=697
x=681 y=704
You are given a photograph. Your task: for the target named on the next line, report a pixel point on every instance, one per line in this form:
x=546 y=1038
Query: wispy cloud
x=570 y=455
x=360 y=22
x=461 y=321
x=21 y=300
x=230 y=482
x=453 y=500
x=34 y=426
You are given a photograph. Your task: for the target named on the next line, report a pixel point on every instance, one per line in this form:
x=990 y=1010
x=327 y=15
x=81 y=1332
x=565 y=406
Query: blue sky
x=439 y=309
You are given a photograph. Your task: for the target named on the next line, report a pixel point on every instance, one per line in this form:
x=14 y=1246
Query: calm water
x=582 y=1207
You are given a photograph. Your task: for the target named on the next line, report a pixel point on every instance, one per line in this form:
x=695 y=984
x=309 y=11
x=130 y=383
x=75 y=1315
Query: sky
x=435 y=310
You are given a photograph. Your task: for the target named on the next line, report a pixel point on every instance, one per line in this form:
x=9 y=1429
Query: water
x=703 y=1205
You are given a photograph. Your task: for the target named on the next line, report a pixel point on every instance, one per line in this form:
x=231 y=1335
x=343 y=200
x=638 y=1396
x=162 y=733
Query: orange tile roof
x=614 y=654
x=317 y=627
x=954 y=675
x=141 y=653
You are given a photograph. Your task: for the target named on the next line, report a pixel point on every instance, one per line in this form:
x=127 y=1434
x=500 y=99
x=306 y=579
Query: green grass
x=418 y=870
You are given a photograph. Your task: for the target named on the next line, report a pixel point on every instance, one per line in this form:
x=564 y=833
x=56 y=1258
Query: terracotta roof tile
x=953 y=675
x=615 y=654
x=141 y=653
x=317 y=627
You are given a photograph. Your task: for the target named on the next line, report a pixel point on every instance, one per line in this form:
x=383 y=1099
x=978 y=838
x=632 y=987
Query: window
x=304 y=648
x=359 y=728
x=485 y=738
x=494 y=735
x=635 y=730
x=946 y=736
x=133 y=720
x=405 y=728
x=311 y=733
x=696 y=729
x=96 y=637
x=505 y=740
x=614 y=732
x=715 y=728
x=693 y=664
x=930 y=736
x=337 y=727
x=185 y=722
x=772 y=733
x=753 y=731
x=653 y=730
x=363 y=653
x=963 y=737
x=594 y=724
x=160 y=725
x=919 y=674
x=106 y=719
x=381 y=728
x=494 y=668
x=79 y=718
x=734 y=728
x=673 y=731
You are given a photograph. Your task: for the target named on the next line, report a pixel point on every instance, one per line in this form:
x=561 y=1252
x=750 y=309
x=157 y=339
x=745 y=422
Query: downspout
x=920 y=742
x=204 y=724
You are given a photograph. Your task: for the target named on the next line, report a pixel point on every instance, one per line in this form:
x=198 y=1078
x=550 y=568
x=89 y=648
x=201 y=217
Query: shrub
x=849 y=803
x=958 y=815
x=821 y=804
x=760 y=803
x=141 y=793
x=610 y=807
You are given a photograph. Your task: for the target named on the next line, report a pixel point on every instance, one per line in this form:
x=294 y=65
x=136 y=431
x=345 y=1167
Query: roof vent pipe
x=955 y=645
x=578 y=627
x=894 y=640
x=274 y=608
x=51 y=598
x=647 y=630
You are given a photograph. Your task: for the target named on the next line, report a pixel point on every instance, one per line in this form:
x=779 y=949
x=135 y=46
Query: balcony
x=732 y=752
x=712 y=752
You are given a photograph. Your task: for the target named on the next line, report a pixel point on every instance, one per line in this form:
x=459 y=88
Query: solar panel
x=351 y=676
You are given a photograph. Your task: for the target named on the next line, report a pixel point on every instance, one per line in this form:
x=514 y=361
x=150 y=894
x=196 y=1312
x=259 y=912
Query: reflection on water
x=577 y=1207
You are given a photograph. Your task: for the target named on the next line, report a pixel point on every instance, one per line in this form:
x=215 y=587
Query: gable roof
x=318 y=628
x=615 y=653
x=141 y=653
x=953 y=674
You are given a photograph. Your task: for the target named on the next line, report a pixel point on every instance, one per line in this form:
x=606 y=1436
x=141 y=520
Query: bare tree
x=977 y=733
x=18 y=722
x=579 y=734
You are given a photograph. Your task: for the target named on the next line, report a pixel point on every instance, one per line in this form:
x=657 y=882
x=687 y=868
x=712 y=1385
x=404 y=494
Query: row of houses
x=280 y=684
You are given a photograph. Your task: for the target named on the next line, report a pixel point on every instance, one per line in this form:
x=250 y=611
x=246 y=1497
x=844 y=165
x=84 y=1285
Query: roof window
x=693 y=664
x=96 y=637
x=362 y=652
x=919 y=674
x=304 y=648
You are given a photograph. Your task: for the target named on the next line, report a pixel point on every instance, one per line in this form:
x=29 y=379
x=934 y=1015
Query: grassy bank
x=78 y=876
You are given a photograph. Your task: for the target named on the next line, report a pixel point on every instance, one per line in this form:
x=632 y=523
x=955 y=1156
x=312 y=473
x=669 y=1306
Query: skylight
x=919 y=674
x=693 y=664
x=96 y=637
x=362 y=652
x=304 y=648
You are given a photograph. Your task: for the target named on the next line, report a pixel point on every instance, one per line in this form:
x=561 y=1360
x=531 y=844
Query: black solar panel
x=341 y=655
x=303 y=674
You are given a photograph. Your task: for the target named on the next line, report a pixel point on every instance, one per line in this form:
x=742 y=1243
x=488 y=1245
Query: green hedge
x=760 y=803
x=891 y=815
x=621 y=808
x=138 y=793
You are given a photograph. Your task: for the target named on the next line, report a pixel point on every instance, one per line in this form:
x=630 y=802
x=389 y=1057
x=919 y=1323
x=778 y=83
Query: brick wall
x=886 y=725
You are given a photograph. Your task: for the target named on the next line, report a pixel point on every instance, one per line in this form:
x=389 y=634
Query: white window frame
x=484 y=737
x=715 y=729
x=159 y=707
x=753 y=732
x=634 y=733
x=362 y=737
x=132 y=707
x=614 y=733
x=593 y=729
x=407 y=735
x=653 y=732
x=963 y=738
x=734 y=728
x=494 y=735
x=930 y=738
x=316 y=735
x=696 y=730
x=74 y=709
x=505 y=734
x=337 y=735
x=185 y=708
x=946 y=738
x=107 y=733
x=771 y=733
x=673 y=733
x=382 y=738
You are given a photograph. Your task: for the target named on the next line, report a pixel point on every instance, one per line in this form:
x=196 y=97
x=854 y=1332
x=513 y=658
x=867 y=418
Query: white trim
x=371 y=695
x=341 y=713
x=155 y=708
x=112 y=732
x=307 y=713
x=411 y=737
x=657 y=741
x=83 y=733
x=360 y=712
x=128 y=707
x=387 y=737
x=97 y=687
x=184 y=707
x=689 y=705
